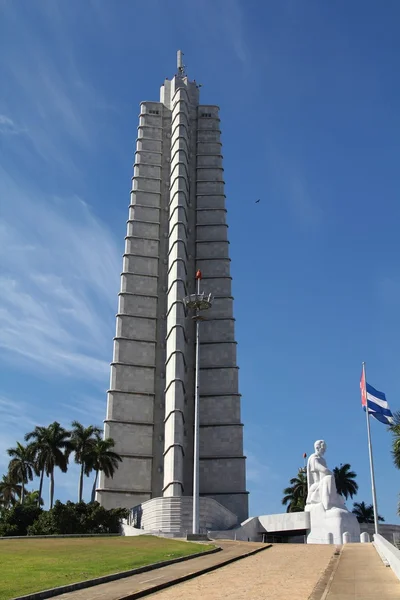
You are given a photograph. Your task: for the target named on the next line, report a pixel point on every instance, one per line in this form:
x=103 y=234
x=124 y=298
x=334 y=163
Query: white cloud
x=232 y=22
x=8 y=127
x=59 y=283
x=49 y=98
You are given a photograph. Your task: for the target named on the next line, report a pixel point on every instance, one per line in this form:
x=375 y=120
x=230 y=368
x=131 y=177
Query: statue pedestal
x=328 y=526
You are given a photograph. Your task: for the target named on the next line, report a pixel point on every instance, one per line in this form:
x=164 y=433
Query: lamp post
x=198 y=302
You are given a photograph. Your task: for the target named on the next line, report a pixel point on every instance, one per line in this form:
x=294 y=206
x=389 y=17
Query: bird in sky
x=257 y=201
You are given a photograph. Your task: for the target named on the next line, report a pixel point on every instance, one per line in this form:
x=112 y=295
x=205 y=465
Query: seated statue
x=321 y=481
x=329 y=517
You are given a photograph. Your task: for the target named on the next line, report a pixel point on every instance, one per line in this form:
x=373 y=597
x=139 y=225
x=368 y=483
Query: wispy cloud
x=8 y=127
x=59 y=107
x=233 y=24
x=257 y=471
x=58 y=285
x=16 y=418
x=292 y=188
x=219 y=22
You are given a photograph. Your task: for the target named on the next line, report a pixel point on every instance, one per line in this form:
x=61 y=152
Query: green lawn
x=30 y=565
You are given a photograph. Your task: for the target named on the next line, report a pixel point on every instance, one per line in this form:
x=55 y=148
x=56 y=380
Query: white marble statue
x=321 y=481
x=329 y=517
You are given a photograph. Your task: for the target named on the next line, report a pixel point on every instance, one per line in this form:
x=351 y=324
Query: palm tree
x=21 y=466
x=33 y=498
x=345 y=481
x=83 y=440
x=395 y=429
x=365 y=512
x=102 y=458
x=39 y=449
x=53 y=449
x=296 y=495
x=10 y=490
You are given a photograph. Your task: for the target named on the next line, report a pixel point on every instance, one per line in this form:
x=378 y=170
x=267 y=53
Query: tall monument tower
x=177 y=225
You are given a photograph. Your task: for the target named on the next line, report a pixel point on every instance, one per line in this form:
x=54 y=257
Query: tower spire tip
x=179 y=61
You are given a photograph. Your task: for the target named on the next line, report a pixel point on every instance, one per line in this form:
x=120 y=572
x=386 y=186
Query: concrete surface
x=361 y=575
x=141 y=584
x=284 y=572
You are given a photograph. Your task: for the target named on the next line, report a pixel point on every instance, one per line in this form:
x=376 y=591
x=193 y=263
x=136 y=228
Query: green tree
x=21 y=466
x=102 y=458
x=395 y=429
x=80 y=518
x=345 y=481
x=10 y=491
x=16 y=520
x=53 y=448
x=83 y=440
x=296 y=495
x=32 y=498
x=364 y=512
x=39 y=436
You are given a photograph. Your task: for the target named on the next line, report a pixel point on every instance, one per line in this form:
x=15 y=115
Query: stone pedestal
x=328 y=526
x=173 y=515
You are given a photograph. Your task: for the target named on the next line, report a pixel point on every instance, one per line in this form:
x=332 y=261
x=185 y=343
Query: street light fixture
x=198 y=302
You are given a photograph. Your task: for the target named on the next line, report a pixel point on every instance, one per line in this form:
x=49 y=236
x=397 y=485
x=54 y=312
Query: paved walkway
x=283 y=572
x=122 y=588
x=361 y=575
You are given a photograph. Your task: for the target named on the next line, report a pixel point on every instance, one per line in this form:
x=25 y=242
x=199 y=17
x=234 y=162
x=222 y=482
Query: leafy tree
x=345 y=481
x=395 y=429
x=80 y=518
x=21 y=467
x=84 y=441
x=102 y=458
x=16 y=520
x=10 y=490
x=365 y=512
x=296 y=495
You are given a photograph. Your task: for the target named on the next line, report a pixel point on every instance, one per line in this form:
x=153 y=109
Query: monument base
x=172 y=515
x=328 y=526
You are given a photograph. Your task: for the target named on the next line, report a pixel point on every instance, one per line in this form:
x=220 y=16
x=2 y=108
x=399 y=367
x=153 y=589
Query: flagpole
x=371 y=460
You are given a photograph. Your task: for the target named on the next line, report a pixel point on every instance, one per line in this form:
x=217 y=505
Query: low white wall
x=388 y=552
x=248 y=530
x=253 y=528
x=129 y=530
x=390 y=532
x=285 y=521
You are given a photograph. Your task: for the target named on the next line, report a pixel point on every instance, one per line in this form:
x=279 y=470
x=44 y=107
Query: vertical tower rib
x=177 y=277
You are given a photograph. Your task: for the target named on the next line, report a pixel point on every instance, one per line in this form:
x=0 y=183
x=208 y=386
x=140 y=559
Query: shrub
x=17 y=520
x=80 y=518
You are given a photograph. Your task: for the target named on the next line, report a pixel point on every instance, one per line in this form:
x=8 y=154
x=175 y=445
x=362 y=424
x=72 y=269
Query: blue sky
x=309 y=99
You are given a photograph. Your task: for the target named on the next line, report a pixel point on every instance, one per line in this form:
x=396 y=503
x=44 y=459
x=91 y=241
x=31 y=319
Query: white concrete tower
x=177 y=224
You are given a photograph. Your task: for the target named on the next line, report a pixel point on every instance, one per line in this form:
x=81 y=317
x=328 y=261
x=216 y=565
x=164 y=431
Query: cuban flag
x=377 y=403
